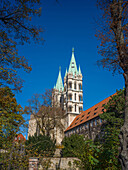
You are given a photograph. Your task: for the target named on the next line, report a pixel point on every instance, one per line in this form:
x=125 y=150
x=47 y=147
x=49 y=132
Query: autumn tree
x=11 y=120
x=16 y=28
x=49 y=117
x=113 y=34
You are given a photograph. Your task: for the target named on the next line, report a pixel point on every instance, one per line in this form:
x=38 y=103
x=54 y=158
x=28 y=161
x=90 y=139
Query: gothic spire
x=59 y=83
x=73 y=66
x=79 y=70
x=65 y=73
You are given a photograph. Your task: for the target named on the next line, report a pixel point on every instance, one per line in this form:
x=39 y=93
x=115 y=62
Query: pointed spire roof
x=79 y=70
x=73 y=66
x=65 y=73
x=59 y=83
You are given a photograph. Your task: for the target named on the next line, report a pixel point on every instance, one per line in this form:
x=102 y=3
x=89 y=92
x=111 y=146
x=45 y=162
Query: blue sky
x=67 y=24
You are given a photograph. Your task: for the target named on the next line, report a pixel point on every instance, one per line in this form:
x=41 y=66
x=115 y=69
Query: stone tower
x=70 y=96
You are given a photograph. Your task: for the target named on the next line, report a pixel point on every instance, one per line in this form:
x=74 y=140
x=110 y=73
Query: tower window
x=70 y=96
x=70 y=85
x=80 y=98
x=80 y=109
x=75 y=96
x=75 y=107
x=80 y=87
x=70 y=108
x=75 y=85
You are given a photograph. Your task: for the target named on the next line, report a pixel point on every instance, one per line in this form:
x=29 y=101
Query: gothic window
x=75 y=85
x=70 y=85
x=70 y=108
x=70 y=97
x=80 y=87
x=80 y=109
x=80 y=98
x=75 y=107
x=75 y=96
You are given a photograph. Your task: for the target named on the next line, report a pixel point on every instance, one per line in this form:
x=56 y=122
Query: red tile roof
x=20 y=137
x=89 y=114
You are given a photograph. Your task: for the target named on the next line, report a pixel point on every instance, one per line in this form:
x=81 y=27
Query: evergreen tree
x=40 y=146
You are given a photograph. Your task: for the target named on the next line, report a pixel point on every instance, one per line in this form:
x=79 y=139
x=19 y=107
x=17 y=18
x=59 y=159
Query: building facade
x=88 y=123
x=70 y=94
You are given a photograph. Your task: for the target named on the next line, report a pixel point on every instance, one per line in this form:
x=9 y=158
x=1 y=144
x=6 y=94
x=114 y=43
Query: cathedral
x=70 y=94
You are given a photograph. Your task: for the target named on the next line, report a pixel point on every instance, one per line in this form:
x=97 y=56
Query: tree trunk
x=123 y=157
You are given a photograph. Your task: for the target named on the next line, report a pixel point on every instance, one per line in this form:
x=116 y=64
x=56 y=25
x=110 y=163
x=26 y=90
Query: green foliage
x=103 y=153
x=113 y=120
x=40 y=146
x=11 y=116
x=72 y=144
x=11 y=120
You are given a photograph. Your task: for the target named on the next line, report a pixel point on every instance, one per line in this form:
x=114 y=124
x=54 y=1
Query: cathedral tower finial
x=73 y=50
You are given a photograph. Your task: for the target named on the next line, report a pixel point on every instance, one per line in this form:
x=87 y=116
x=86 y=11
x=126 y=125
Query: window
x=75 y=85
x=80 y=87
x=80 y=98
x=70 y=108
x=70 y=85
x=70 y=96
x=75 y=107
x=80 y=109
x=95 y=113
x=75 y=96
x=96 y=108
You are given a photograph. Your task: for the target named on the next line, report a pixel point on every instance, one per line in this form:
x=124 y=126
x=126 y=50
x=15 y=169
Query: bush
x=40 y=146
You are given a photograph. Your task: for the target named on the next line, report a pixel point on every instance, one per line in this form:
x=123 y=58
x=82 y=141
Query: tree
x=72 y=145
x=11 y=120
x=49 y=118
x=113 y=119
x=16 y=28
x=40 y=146
x=85 y=150
x=113 y=35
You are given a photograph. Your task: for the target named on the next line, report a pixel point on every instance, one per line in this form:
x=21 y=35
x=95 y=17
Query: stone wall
x=54 y=164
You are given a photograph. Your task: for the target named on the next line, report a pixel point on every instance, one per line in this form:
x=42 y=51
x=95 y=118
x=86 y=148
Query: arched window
x=75 y=85
x=70 y=85
x=75 y=107
x=80 y=109
x=80 y=98
x=70 y=108
x=75 y=97
x=70 y=97
x=80 y=87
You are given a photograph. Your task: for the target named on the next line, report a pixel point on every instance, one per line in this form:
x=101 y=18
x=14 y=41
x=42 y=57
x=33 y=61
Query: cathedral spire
x=59 y=83
x=79 y=70
x=73 y=66
x=65 y=73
